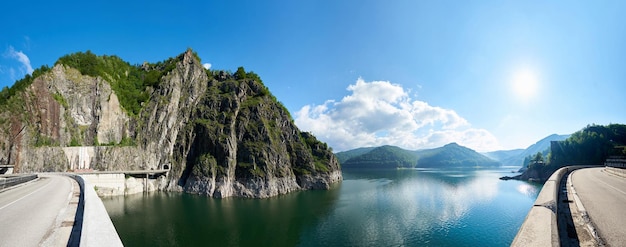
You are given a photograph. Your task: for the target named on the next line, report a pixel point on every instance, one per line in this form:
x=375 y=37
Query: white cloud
x=382 y=113
x=12 y=74
x=206 y=65
x=20 y=57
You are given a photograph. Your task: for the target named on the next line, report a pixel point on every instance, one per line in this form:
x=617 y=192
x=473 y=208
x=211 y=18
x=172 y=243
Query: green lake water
x=369 y=208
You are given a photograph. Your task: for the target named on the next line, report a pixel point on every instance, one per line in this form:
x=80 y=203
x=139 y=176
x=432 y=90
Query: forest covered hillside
x=449 y=156
x=590 y=146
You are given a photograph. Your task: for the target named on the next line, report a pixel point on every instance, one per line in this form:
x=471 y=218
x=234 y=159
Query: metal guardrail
x=6 y=182
x=136 y=172
x=92 y=226
x=616 y=161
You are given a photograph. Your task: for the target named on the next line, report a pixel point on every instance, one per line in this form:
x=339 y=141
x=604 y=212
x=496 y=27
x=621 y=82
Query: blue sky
x=418 y=74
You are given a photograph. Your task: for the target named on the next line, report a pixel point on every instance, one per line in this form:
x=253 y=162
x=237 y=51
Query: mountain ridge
x=447 y=156
x=453 y=155
x=516 y=157
x=222 y=134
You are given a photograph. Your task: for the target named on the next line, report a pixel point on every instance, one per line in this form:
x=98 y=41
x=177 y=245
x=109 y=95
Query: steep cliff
x=221 y=134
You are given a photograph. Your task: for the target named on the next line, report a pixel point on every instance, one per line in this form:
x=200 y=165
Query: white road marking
x=599 y=180
x=25 y=196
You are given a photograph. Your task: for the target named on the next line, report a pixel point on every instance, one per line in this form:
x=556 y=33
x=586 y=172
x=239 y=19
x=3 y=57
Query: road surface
x=28 y=212
x=604 y=197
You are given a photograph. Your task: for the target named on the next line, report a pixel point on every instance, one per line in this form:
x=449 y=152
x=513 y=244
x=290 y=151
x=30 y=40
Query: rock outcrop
x=220 y=134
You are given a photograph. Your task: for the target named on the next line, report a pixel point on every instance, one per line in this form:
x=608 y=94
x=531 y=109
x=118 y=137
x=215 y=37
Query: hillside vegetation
x=344 y=156
x=385 y=157
x=221 y=134
x=453 y=155
x=589 y=146
x=128 y=81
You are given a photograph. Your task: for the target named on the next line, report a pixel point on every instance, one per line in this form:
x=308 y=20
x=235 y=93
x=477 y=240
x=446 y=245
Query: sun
x=525 y=83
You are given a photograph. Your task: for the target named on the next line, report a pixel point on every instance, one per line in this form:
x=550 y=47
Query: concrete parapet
x=120 y=183
x=95 y=225
x=548 y=195
x=540 y=227
x=106 y=184
x=616 y=171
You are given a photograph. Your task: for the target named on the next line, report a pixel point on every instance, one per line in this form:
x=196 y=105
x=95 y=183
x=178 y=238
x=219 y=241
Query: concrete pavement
x=32 y=214
x=603 y=195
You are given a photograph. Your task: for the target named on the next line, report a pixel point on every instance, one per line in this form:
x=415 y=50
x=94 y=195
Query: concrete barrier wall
x=9 y=181
x=6 y=170
x=106 y=184
x=616 y=171
x=97 y=228
x=540 y=227
x=117 y=184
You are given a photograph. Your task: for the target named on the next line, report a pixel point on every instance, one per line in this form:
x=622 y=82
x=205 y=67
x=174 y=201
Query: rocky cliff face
x=221 y=134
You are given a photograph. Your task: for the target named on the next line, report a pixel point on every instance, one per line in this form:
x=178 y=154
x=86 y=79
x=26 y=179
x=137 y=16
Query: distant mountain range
x=516 y=157
x=450 y=155
x=453 y=155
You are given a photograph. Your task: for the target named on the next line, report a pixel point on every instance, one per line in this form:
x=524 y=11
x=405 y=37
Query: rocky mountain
x=448 y=156
x=222 y=134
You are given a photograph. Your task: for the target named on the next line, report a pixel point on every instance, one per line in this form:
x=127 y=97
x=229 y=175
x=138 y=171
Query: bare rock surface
x=220 y=134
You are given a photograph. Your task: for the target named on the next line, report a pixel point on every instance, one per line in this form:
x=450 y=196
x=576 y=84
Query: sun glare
x=525 y=83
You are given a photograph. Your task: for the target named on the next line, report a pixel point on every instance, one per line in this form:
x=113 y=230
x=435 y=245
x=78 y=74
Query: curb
x=583 y=212
x=610 y=170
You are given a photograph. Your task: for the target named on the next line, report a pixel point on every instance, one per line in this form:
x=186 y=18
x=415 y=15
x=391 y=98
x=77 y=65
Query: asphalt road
x=29 y=211
x=604 y=197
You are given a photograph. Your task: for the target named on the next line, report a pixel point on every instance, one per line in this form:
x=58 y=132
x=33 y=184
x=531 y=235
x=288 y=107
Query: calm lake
x=369 y=208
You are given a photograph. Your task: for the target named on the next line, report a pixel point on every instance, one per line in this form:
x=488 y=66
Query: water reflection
x=173 y=219
x=528 y=189
x=405 y=207
x=419 y=207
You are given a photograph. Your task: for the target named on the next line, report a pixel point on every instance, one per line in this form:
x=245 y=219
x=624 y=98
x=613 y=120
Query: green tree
x=21 y=85
x=128 y=81
x=538 y=158
x=240 y=74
